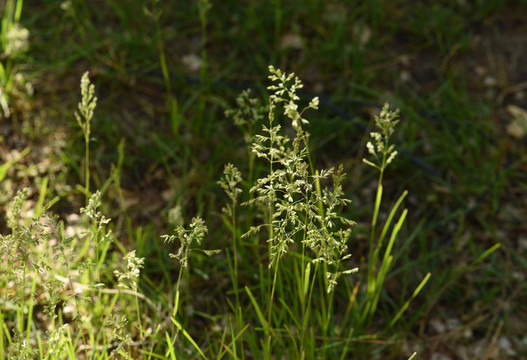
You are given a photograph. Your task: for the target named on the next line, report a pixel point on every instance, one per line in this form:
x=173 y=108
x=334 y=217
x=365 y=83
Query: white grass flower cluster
x=87 y=105
x=17 y=41
x=196 y=233
x=119 y=327
x=175 y=215
x=229 y=183
x=380 y=148
x=84 y=117
x=97 y=234
x=285 y=92
x=299 y=211
x=248 y=113
x=15 y=209
x=130 y=277
x=97 y=218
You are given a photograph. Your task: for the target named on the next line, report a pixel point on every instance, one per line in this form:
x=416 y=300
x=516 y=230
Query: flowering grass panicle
x=87 y=105
x=196 y=233
x=229 y=183
x=130 y=277
x=299 y=214
x=91 y=210
x=382 y=151
x=16 y=41
x=248 y=113
x=84 y=117
x=299 y=210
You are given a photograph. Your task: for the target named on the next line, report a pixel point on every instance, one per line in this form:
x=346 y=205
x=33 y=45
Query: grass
x=168 y=141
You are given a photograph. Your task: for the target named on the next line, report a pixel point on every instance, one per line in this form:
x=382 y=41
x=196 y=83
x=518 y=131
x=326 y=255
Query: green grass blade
x=2 y=345
x=5 y=167
x=259 y=312
x=171 y=350
x=290 y=312
x=390 y=217
x=176 y=304
x=306 y=279
x=407 y=303
x=378 y=199
x=31 y=306
x=18 y=10
x=395 y=232
x=41 y=197
x=188 y=337
x=485 y=254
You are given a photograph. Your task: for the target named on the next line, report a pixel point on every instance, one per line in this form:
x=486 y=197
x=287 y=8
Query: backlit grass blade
x=407 y=303
x=171 y=350
x=259 y=312
x=188 y=337
x=5 y=167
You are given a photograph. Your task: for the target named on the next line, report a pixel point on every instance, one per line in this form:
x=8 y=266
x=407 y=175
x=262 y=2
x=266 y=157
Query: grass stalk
x=383 y=153
x=84 y=117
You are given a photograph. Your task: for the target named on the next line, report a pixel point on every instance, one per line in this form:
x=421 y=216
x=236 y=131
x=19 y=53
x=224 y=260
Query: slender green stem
x=238 y=310
x=22 y=306
x=87 y=166
x=176 y=304
x=305 y=318
x=376 y=209
x=235 y=241
x=271 y=211
x=138 y=314
x=269 y=314
x=96 y=237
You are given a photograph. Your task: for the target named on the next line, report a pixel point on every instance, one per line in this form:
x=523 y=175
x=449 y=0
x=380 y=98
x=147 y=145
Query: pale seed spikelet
x=130 y=277
x=380 y=147
x=196 y=233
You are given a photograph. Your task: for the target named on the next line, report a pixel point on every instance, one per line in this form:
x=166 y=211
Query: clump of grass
x=306 y=234
x=300 y=213
x=383 y=153
x=297 y=211
x=62 y=275
x=297 y=206
x=15 y=264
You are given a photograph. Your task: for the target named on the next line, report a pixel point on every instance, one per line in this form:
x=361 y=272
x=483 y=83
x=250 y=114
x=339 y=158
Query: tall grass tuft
x=383 y=153
x=299 y=214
